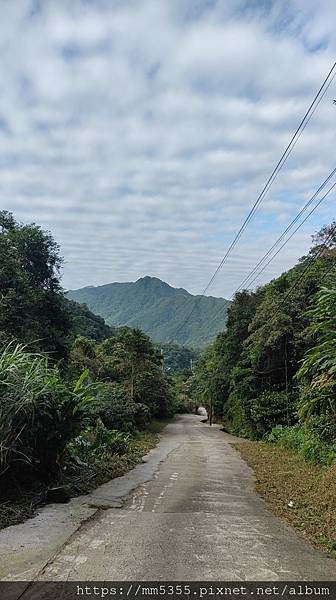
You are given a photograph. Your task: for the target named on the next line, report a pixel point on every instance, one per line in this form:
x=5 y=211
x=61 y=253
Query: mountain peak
x=157 y=308
x=149 y=278
x=149 y=281
x=154 y=283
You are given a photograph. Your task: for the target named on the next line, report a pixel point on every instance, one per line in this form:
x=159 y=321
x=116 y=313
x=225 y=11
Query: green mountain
x=158 y=309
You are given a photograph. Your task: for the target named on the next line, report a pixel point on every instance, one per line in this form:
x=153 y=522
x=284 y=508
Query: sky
x=140 y=133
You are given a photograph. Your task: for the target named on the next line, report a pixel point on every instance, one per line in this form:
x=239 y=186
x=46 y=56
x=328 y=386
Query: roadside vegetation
x=80 y=402
x=178 y=359
x=297 y=490
x=271 y=376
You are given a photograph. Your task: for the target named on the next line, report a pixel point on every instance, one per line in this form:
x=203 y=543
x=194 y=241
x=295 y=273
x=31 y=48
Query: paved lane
x=198 y=517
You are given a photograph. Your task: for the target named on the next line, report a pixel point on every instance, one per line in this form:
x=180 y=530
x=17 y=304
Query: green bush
x=39 y=414
x=304 y=440
x=324 y=426
x=114 y=407
x=270 y=409
x=183 y=404
x=142 y=415
x=317 y=372
x=155 y=391
x=98 y=440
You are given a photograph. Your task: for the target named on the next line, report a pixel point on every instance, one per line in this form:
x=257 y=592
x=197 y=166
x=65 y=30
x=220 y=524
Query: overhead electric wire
x=287 y=230
x=313 y=259
x=305 y=120
x=294 y=232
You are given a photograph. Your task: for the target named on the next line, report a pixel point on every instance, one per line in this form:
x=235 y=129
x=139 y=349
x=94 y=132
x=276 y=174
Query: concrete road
x=197 y=517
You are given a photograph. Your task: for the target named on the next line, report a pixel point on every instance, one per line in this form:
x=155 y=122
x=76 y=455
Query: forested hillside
x=86 y=323
x=272 y=372
x=158 y=309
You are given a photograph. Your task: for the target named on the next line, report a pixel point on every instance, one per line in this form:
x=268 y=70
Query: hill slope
x=158 y=309
x=87 y=324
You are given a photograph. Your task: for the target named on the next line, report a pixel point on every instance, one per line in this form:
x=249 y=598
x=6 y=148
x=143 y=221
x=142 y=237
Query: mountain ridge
x=158 y=308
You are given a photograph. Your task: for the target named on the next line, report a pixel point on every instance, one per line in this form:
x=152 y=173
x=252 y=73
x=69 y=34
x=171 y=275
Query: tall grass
x=304 y=440
x=39 y=413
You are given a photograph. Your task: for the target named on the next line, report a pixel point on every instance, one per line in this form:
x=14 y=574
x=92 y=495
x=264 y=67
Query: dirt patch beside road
x=302 y=493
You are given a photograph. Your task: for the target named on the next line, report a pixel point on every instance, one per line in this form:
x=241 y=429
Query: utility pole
x=211 y=411
x=286 y=378
x=132 y=380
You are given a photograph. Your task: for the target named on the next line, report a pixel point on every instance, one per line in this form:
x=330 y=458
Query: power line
x=294 y=232
x=304 y=122
x=310 y=111
x=297 y=228
x=288 y=228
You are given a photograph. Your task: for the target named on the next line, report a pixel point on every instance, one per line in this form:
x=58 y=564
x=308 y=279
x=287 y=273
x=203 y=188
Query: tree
x=318 y=370
x=32 y=307
x=134 y=352
x=87 y=324
x=177 y=359
x=325 y=237
x=130 y=367
x=251 y=383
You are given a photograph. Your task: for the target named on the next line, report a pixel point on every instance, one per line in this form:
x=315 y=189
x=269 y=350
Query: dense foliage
x=275 y=365
x=158 y=309
x=86 y=323
x=133 y=388
x=71 y=387
x=177 y=359
x=318 y=370
x=32 y=305
x=39 y=413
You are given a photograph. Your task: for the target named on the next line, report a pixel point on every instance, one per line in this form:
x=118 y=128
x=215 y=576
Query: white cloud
x=140 y=134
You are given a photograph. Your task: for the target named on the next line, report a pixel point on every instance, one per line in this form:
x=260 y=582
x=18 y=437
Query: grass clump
x=306 y=441
x=39 y=413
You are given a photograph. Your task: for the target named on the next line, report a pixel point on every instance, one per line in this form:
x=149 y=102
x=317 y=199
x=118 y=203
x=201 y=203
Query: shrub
x=317 y=372
x=270 y=409
x=38 y=413
x=114 y=407
x=154 y=390
x=142 y=415
x=324 y=426
x=306 y=441
x=183 y=404
x=98 y=440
